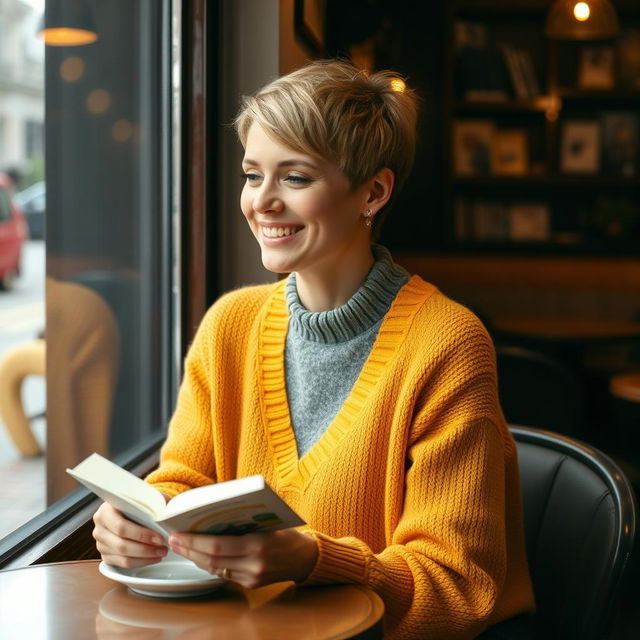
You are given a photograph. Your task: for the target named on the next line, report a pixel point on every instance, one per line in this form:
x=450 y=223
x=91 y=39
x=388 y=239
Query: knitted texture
x=413 y=488
x=325 y=350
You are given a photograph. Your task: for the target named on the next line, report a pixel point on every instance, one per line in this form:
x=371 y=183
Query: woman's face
x=300 y=208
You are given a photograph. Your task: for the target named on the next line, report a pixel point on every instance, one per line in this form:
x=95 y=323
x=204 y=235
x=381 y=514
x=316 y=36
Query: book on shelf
x=481 y=73
x=462 y=220
x=516 y=74
x=529 y=222
x=490 y=221
x=233 y=507
x=530 y=75
x=472 y=142
x=620 y=143
x=521 y=72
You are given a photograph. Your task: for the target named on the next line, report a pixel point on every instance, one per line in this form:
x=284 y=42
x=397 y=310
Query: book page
x=250 y=511
x=211 y=493
x=116 y=485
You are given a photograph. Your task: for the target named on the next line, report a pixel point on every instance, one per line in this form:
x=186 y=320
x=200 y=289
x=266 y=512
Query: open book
x=227 y=508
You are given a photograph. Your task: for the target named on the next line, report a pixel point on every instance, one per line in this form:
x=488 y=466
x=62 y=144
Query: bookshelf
x=543 y=151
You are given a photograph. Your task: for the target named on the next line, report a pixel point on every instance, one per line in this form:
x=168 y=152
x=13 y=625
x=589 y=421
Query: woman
x=365 y=397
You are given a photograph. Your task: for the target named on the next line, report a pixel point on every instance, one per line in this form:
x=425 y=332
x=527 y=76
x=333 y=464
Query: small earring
x=368 y=220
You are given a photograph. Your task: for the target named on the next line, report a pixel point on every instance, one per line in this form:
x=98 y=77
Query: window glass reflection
x=22 y=264
x=108 y=332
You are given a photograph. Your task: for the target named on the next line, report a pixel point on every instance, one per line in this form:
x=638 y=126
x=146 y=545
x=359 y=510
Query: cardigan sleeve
x=444 y=567
x=186 y=458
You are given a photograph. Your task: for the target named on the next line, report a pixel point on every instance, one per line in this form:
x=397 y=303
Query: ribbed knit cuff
x=339 y=562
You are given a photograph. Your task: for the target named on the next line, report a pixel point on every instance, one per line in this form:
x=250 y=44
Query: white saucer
x=174 y=577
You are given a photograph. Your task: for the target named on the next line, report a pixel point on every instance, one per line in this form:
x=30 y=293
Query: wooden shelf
x=537 y=106
x=609 y=95
x=531 y=134
x=622 y=249
x=549 y=181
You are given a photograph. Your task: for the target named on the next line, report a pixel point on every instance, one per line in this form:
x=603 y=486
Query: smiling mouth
x=280 y=232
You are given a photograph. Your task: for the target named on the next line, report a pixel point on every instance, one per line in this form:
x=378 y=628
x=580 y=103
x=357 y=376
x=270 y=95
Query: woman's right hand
x=123 y=543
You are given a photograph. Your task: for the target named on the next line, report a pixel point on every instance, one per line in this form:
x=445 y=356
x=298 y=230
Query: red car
x=13 y=232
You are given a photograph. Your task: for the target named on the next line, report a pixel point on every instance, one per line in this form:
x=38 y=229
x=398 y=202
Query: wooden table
x=72 y=600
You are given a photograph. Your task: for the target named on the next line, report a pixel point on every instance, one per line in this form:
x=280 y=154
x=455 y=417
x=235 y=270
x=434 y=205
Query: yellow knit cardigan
x=413 y=489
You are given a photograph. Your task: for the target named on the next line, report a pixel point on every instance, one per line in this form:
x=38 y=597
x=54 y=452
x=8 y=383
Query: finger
x=128 y=562
x=109 y=543
x=238 y=568
x=222 y=546
x=112 y=520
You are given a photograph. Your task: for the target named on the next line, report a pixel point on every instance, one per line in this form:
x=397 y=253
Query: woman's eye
x=250 y=177
x=296 y=179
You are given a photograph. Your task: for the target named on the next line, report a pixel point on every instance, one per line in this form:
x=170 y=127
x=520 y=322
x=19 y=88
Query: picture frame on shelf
x=510 y=152
x=620 y=143
x=597 y=68
x=472 y=142
x=529 y=222
x=580 y=147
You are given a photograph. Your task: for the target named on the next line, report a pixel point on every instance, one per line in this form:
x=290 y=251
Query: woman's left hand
x=252 y=560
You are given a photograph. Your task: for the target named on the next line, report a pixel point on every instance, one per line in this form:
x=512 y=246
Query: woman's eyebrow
x=284 y=163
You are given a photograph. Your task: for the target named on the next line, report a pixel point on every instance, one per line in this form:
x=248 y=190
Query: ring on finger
x=225 y=574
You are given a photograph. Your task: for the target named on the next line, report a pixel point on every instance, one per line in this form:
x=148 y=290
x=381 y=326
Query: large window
x=110 y=335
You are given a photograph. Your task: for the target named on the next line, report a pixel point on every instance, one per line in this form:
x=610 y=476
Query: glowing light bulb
x=581 y=11
x=398 y=85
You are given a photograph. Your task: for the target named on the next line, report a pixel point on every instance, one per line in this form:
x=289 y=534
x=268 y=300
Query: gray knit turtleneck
x=326 y=350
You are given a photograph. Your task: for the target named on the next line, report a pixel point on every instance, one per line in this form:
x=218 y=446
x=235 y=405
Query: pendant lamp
x=67 y=23
x=582 y=20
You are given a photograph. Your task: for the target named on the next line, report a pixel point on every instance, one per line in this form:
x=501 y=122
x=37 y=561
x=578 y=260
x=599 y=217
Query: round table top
x=72 y=600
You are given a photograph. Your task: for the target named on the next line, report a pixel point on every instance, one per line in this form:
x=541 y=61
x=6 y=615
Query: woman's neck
x=326 y=287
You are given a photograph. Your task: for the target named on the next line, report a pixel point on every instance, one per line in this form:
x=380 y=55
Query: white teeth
x=278 y=232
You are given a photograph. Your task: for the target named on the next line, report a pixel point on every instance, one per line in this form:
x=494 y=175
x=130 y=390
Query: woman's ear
x=380 y=189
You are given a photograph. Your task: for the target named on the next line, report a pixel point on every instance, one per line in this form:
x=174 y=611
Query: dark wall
x=406 y=37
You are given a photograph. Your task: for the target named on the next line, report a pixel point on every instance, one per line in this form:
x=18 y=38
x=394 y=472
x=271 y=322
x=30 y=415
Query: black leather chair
x=539 y=391
x=580 y=517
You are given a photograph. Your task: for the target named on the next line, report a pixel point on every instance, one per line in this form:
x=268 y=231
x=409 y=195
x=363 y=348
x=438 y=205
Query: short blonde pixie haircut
x=360 y=122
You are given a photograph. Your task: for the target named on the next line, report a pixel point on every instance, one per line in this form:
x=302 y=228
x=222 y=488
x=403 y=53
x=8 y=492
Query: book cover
x=529 y=73
x=515 y=72
x=234 y=507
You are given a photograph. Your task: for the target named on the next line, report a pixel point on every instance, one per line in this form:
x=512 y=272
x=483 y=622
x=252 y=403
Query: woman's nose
x=267 y=199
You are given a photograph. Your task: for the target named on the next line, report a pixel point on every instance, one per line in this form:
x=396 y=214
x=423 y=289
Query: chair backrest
x=580 y=515
x=539 y=391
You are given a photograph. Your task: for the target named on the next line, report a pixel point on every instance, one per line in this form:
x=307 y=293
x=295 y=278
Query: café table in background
x=73 y=601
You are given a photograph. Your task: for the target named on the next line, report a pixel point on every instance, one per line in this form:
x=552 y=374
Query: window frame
x=63 y=531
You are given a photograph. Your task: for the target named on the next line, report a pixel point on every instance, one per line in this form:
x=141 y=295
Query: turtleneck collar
x=362 y=311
